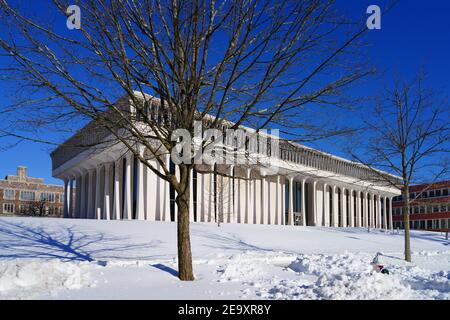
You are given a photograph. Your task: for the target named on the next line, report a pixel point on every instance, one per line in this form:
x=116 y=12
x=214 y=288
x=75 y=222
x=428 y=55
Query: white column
x=263 y=197
x=272 y=200
x=343 y=208
x=368 y=209
x=385 y=213
x=373 y=212
x=83 y=200
x=372 y=208
x=291 y=202
x=326 y=202
x=378 y=212
x=248 y=209
x=78 y=197
x=351 y=207
x=210 y=197
x=241 y=194
x=90 y=194
x=71 y=199
x=140 y=209
x=118 y=189
x=358 y=209
x=279 y=208
x=108 y=191
x=314 y=203
x=98 y=193
x=128 y=201
x=162 y=189
x=335 y=208
x=219 y=198
x=66 y=198
x=365 y=210
x=237 y=199
x=256 y=200
x=303 y=202
x=201 y=211
x=231 y=211
x=391 y=225
x=151 y=194
x=204 y=198
x=265 y=194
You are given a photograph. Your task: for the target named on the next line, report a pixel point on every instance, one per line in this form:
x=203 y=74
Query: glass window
x=48 y=196
x=431 y=193
x=436 y=224
x=416 y=209
x=422 y=209
x=27 y=195
x=445 y=192
x=8 y=208
x=443 y=208
x=9 y=194
x=23 y=209
x=438 y=193
x=435 y=208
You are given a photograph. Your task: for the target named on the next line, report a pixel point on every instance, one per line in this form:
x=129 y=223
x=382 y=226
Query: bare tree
x=238 y=62
x=36 y=208
x=406 y=134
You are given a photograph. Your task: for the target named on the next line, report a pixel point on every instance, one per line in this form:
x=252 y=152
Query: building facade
x=308 y=187
x=429 y=209
x=23 y=195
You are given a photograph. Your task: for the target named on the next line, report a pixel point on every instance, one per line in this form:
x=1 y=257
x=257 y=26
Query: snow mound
x=239 y=269
x=350 y=276
x=24 y=279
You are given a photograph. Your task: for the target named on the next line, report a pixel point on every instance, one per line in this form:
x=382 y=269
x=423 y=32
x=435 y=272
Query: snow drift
x=89 y=259
x=27 y=278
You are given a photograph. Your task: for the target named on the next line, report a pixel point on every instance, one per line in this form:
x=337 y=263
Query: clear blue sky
x=414 y=34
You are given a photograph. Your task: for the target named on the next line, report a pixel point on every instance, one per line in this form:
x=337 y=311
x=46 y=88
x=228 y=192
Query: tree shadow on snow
x=229 y=242
x=19 y=240
x=430 y=236
x=416 y=234
x=165 y=268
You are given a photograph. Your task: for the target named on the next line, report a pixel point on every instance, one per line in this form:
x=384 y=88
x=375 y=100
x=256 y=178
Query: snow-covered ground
x=86 y=259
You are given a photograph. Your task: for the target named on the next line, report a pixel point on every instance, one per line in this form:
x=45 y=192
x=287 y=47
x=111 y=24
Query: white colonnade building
x=308 y=188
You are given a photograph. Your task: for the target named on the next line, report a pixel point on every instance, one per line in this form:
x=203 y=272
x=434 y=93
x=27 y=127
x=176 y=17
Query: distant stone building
x=430 y=207
x=25 y=195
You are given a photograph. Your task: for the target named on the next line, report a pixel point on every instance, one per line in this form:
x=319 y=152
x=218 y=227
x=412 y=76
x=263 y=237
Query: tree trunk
x=185 y=271
x=406 y=223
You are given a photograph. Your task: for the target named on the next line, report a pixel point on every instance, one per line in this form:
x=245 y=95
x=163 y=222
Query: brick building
x=25 y=195
x=430 y=207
